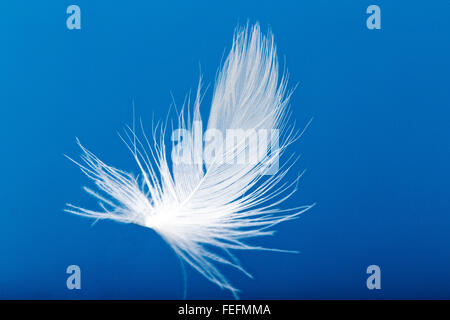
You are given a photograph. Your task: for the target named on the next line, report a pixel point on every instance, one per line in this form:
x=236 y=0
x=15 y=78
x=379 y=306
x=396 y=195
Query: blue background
x=377 y=152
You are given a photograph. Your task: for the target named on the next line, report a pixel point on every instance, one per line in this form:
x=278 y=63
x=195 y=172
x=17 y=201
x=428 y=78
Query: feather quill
x=206 y=209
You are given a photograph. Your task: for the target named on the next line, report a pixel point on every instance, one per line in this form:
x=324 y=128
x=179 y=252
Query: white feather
x=205 y=209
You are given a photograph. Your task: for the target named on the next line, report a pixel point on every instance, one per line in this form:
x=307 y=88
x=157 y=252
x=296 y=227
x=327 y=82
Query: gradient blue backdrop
x=377 y=152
